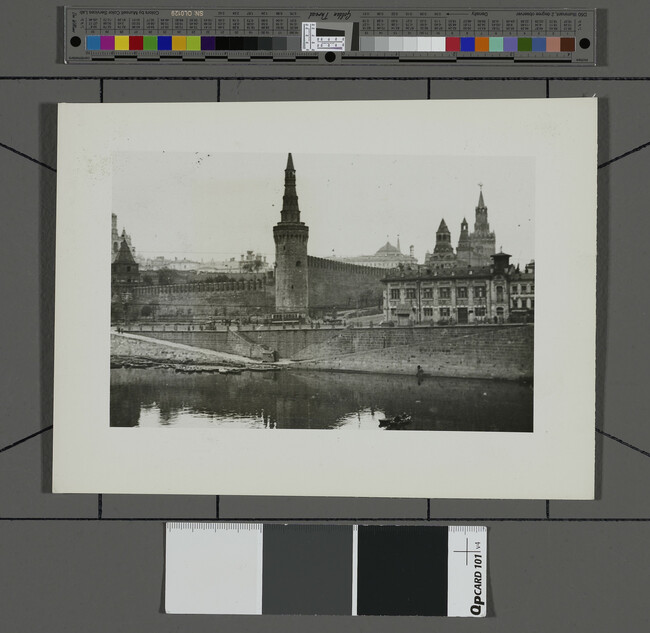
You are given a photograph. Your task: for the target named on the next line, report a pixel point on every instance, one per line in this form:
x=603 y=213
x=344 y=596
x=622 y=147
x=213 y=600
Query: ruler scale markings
x=548 y=36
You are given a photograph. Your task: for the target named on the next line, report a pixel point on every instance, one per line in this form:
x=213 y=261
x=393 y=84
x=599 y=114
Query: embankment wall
x=499 y=351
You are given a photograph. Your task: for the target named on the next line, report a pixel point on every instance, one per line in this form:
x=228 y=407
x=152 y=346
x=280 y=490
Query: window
x=444 y=313
x=394 y=293
x=410 y=293
x=128 y=269
x=428 y=312
x=499 y=293
x=479 y=292
x=479 y=311
x=515 y=289
x=427 y=293
x=461 y=292
x=298 y=264
x=444 y=293
x=392 y=311
x=528 y=288
x=499 y=311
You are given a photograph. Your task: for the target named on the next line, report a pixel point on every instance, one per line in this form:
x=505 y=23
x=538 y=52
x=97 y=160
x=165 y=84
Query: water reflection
x=295 y=399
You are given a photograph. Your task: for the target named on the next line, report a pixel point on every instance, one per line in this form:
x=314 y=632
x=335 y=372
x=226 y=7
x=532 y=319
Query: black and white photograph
x=352 y=298
x=312 y=291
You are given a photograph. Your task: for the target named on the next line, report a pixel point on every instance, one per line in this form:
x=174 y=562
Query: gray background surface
x=89 y=563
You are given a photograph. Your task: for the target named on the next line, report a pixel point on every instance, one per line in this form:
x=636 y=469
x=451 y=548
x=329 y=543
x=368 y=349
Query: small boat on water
x=397 y=422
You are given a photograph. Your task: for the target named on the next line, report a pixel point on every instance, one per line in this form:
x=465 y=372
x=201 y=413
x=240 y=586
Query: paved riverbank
x=132 y=350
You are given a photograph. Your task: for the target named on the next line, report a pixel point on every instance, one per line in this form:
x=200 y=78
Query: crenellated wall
x=332 y=285
x=342 y=285
x=206 y=299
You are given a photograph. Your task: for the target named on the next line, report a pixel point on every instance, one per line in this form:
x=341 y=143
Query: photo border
x=556 y=461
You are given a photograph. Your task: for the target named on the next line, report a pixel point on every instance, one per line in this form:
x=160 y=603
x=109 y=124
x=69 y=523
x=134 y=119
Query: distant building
x=448 y=295
x=252 y=262
x=388 y=256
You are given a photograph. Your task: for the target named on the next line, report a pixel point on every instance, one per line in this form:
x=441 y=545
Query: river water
x=299 y=399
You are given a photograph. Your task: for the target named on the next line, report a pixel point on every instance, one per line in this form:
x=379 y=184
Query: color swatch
x=279 y=569
x=470 y=44
x=181 y=43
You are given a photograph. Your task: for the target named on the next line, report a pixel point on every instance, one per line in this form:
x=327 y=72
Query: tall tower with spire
x=482 y=240
x=290 y=236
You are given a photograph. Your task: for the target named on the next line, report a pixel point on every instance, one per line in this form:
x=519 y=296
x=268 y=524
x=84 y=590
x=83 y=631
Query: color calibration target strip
x=279 y=569
x=348 y=36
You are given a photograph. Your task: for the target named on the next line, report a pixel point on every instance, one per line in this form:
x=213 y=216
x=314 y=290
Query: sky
x=219 y=205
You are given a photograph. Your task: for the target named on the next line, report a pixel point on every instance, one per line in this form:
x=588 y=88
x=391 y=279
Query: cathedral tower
x=290 y=236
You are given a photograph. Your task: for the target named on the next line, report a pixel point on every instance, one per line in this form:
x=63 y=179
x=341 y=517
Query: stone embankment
x=131 y=350
x=504 y=352
x=493 y=352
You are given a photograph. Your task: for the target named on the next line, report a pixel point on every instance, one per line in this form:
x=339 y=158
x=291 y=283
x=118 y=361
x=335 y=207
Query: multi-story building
x=477 y=294
x=522 y=294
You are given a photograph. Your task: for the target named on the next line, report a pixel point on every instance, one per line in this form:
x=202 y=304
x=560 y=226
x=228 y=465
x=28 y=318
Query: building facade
x=522 y=294
x=290 y=236
x=449 y=295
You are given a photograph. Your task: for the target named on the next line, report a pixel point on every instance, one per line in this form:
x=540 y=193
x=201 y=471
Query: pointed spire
x=481 y=202
x=290 y=210
x=124 y=255
x=398 y=247
x=443 y=227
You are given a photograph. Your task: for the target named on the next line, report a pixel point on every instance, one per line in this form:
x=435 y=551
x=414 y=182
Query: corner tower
x=290 y=236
